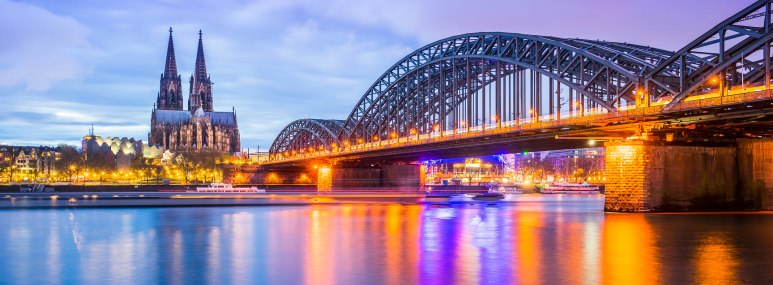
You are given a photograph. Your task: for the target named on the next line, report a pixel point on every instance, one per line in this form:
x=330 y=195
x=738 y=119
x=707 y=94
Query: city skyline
x=68 y=66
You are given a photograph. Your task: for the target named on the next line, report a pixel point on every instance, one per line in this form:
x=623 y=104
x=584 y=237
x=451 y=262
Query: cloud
x=65 y=65
x=39 y=48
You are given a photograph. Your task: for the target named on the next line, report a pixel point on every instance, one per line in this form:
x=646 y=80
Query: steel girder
x=417 y=94
x=735 y=47
x=302 y=134
x=429 y=97
x=603 y=72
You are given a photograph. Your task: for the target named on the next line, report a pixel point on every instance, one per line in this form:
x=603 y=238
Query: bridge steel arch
x=300 y=135
x=736 y=52
x=476 y=81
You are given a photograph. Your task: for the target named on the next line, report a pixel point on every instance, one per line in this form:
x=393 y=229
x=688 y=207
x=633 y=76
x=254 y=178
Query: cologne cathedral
x=199 y=127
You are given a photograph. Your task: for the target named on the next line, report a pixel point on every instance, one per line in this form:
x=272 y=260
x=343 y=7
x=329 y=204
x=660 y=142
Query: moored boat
x=227 y=188
x=570 y=188
x=506 y=190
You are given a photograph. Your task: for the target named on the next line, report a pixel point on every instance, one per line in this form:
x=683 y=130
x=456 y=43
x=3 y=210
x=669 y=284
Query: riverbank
x=146 y=187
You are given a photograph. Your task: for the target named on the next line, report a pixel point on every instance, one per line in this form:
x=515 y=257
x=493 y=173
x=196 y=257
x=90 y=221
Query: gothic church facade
x=199 y=127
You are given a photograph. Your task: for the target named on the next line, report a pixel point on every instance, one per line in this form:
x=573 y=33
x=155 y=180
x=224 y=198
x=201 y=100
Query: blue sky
x=65 y=65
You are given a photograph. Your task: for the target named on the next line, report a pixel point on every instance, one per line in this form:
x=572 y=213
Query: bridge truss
x=473 y=82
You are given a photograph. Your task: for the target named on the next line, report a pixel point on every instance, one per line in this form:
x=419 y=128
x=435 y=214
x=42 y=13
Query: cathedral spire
x=171 y=64
x=170 y=91
x=201 y=66
x=201 y=86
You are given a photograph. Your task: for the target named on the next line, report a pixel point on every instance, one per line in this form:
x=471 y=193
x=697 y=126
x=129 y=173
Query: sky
x=65 y=65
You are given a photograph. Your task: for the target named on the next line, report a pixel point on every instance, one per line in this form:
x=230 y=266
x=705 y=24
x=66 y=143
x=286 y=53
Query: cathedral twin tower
x=199 y=127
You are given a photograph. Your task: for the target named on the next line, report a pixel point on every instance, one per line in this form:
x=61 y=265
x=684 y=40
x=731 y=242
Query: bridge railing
x=697 y=102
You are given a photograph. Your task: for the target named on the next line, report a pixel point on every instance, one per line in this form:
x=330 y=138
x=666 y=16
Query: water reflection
x=530 y=242
x=629 y=251
x=716 y=259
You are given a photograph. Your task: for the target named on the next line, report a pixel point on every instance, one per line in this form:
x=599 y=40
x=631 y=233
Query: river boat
x=227 y=188
x=570 y=188
x=506 y=190
x=489 y=197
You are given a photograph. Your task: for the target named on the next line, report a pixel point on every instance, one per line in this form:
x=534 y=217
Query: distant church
x=199 y=127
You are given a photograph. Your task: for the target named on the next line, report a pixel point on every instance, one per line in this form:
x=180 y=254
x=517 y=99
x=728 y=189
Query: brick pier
x=644 y=176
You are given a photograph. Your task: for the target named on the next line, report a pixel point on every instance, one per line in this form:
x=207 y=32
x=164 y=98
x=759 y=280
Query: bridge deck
x=623 y=121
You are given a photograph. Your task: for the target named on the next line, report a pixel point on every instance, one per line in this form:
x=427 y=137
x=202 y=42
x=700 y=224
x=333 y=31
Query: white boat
x=506 y=190
x=228 y=188
x=570 y=188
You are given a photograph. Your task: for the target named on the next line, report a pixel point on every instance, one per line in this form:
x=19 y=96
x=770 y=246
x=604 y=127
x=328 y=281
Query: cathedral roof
x=223 y=118
x=183 y=117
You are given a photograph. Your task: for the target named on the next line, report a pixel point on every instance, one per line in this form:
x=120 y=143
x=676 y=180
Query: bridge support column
x=626 y=188
x=755 y=167
x=324 y=179
x=644 y=176
x=394 y=177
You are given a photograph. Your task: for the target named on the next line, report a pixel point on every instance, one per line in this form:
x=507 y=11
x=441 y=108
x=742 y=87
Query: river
x=530 y=240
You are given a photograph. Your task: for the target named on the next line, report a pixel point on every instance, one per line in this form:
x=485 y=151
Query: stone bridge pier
x=402 y=177
x=648 y=176
x=387 y=177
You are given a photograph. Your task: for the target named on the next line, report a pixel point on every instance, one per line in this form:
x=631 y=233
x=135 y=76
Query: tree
x=146 y=166
x=101 y=160
x=193 y=162
x=9 y=166
x=579 y=174
x=8 y=170
x=69 y=160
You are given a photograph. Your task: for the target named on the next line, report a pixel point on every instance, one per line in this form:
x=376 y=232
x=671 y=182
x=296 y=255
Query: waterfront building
x=27 y=161
x=121 y=151
x=199 y=127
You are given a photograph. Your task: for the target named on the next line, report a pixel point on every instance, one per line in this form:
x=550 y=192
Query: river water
x=532 y=240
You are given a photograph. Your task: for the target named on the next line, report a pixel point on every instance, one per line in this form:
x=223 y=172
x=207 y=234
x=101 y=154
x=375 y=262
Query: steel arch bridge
x=308 y=135
x=476 y=82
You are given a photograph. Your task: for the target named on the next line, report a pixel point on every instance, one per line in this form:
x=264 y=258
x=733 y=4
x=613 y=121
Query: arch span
x=300 y=135
x=476 y=81
x=435 y=81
